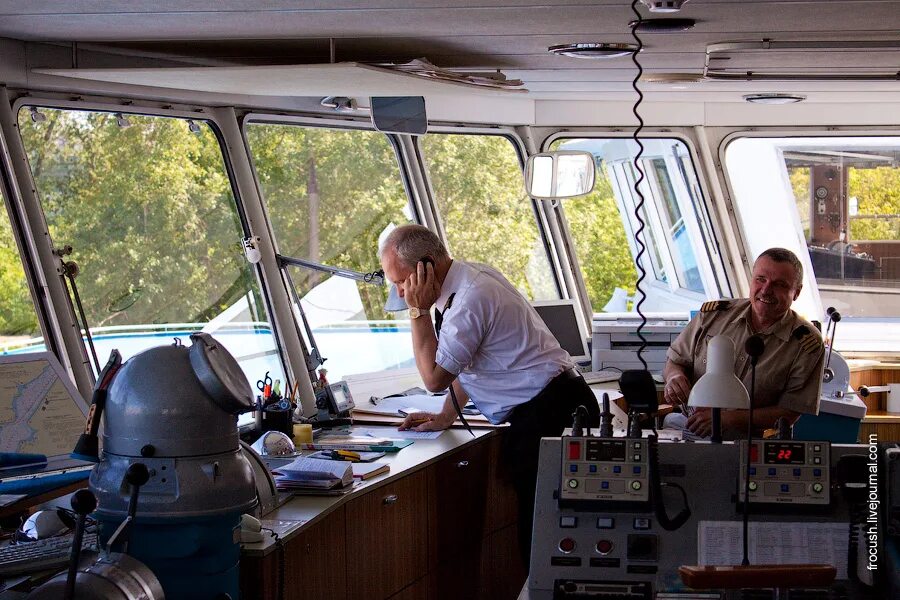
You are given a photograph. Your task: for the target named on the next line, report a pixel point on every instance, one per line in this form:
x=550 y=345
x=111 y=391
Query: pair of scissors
x=264 y=385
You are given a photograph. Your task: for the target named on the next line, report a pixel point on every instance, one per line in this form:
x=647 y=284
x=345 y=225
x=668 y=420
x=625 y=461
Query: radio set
x=607 y=470
x=787 y=472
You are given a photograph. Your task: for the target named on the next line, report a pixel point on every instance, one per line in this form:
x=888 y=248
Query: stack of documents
x=361 y=443
x=313 y=474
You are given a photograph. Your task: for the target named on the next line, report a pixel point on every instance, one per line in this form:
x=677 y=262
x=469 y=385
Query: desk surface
x=306 y=510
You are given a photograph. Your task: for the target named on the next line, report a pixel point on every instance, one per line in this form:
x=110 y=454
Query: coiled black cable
x=638 y=234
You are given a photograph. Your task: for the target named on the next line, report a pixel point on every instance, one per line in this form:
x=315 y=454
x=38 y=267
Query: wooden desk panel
x=314 y=565
x=387 y=533
x=457 y=502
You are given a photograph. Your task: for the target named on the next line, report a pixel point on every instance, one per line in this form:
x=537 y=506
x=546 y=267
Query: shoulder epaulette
x=808 y=343
x=713 y=305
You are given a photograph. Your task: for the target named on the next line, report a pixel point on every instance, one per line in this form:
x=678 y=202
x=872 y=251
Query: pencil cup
x=278 y=420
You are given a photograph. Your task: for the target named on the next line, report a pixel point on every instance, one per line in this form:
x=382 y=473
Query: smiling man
x=789 y=372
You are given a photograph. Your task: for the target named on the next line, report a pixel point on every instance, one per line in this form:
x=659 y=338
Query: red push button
x=574 y=450
x=566 y=545
x=604 y=547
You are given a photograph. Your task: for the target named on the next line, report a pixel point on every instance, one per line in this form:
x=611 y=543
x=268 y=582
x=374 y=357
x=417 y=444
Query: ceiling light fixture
x=663 y=6
x=594 y=51
x=767 y=98
x=663 y=25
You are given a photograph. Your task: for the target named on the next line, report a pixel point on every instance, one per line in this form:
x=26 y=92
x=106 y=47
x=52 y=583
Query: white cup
x=893 y=398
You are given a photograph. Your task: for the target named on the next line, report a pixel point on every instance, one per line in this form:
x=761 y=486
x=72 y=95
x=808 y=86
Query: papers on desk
x=313 y=473
x=721 y=543
x=409 y=434
x=394 y=404
x=359 y=443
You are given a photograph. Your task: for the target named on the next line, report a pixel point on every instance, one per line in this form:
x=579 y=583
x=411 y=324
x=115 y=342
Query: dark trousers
x=545 y=415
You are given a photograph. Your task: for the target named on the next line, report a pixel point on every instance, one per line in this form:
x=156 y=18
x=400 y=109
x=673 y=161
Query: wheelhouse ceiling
x=488 y=35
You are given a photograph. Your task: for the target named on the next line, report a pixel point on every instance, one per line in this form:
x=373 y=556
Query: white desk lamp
x=719 y=388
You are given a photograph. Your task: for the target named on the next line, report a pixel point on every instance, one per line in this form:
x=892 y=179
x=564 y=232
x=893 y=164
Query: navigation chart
x=39 y=412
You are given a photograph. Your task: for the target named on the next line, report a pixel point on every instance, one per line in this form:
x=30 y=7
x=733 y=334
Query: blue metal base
x=827 y=427
x=196 y=559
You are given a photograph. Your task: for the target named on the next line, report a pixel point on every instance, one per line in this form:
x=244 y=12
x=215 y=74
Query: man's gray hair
x=783 y=255
x=412 y=243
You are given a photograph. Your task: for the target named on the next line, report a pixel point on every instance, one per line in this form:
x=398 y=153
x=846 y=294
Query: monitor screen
x=561 y=318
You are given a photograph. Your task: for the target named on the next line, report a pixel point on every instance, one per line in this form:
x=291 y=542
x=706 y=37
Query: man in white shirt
x=492 y=347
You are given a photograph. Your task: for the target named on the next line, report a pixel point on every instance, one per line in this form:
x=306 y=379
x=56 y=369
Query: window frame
x=12 y=203
x=730 y=135
x=710 y=259
x=540 y=219
x=202 y=113
x=349 y=124
x=725 y=137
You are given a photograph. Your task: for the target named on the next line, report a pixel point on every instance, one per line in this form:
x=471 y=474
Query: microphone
x=754 y=347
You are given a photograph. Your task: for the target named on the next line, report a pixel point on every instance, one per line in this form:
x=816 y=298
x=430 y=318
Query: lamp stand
x=716 y=436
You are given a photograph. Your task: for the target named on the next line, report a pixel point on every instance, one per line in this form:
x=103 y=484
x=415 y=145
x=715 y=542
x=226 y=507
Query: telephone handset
x=852 y=470
x=656 y=486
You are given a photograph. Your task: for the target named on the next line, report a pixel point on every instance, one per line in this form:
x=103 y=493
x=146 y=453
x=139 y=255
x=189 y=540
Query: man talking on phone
x=492 y=347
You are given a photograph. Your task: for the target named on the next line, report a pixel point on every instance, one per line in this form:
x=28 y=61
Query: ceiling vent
x=593 y=51
x=664 y=6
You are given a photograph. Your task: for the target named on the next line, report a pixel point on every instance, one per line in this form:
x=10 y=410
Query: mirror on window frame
x=559 y=174
x=399 y=114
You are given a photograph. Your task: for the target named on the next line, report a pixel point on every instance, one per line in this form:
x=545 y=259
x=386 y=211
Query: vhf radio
x=788 y=472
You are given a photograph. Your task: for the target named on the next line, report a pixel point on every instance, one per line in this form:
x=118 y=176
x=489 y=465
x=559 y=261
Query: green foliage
x=360 y=193
x=599 y=236
x=878 y=193
x=148 y=210
x=488 y=218
x=800 y=182
x=17 y=315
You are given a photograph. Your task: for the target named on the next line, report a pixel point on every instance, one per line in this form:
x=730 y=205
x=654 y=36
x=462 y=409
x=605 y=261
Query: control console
x=605 y=469
x=787 y=472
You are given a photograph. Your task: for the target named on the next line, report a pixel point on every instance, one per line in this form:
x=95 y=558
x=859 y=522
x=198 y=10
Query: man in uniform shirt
x=492 y=347
x=789 y=372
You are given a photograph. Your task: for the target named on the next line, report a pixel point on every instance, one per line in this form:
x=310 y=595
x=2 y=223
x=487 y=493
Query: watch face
x=414 y=313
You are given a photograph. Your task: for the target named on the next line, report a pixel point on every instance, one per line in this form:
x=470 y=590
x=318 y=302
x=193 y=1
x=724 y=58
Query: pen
x=345 y=455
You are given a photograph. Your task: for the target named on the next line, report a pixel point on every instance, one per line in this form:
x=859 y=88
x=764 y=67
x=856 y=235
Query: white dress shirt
x=494 y=340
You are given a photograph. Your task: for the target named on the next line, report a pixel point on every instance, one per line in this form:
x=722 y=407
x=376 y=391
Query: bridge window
x=146 y=204
x=836 y=202
x=19 y=329
x=487 y=216
x=331 y=197
x=603 y=226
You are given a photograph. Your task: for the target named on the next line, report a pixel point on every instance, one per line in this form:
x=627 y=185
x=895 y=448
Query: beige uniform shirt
x=789 y=372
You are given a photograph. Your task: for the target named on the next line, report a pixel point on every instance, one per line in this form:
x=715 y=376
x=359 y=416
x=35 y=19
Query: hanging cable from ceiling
x=639 y=205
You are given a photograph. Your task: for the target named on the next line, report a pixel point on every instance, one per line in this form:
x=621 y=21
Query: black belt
x=568 y=374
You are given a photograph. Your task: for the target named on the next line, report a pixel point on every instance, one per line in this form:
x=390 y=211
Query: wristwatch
x=415 y=313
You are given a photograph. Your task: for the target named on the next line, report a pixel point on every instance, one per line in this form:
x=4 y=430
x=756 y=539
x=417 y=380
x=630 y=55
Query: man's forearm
x=425 y=350
x=763 y=418
x=671 y=369
x=448 y=411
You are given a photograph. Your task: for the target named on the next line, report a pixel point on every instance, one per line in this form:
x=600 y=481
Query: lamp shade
x=394 y=302
x=719 y=388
